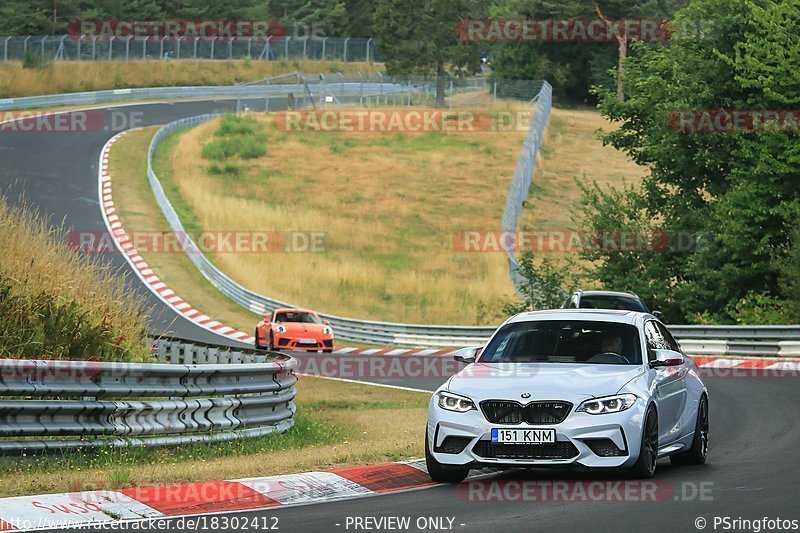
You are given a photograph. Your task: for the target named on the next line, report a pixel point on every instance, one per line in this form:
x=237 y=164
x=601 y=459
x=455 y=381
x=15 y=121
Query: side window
x=672 y=344
x=655 y=341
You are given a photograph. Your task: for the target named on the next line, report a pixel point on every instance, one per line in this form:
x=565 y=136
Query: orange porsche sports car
x=294 y=329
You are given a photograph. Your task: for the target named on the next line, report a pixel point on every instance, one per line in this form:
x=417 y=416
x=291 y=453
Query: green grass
x=309 y=429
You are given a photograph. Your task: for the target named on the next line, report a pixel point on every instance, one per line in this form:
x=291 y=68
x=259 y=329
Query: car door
x=669 y=384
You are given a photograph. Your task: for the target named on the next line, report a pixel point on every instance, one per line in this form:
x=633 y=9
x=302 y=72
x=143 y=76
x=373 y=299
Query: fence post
x=94 y=47
x=213 y=40
x=128 y=47
x=161 y=48
x=230 y=48
x=178 y=55
x=494 y=94
x=110 y=46
x=25 y=46
x=5 y=48
x=43 y=40
x=194 y=52
x=369 y=41
x=305 y=47
x=250 y=47
x=346 y=41
x=324 y=40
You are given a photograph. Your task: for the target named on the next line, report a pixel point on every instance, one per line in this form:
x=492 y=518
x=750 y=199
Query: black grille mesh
x=510 y=412
x=557 y=450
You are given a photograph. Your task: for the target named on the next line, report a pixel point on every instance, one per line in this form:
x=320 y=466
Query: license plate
x=306 y=341
x=523 y=436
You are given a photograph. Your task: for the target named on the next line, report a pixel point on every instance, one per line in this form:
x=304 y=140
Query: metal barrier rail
x=366 y=331
x=203 y=92
x=79 y=404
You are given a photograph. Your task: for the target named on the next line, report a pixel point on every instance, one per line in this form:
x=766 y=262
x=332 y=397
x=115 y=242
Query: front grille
x=453 y=445
x=557 y=450
x=511 y=412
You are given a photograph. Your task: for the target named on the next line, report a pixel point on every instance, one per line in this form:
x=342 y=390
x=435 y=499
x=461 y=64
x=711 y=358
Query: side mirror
x=327 y=322
x=667 y=358
x=468 y=355
x=658 y=314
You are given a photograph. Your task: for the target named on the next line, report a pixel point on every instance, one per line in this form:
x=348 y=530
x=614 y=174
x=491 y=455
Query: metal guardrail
x=87 y=48
x=364 y=88
x=211 y=395
x=366 y=331
x=523 y=175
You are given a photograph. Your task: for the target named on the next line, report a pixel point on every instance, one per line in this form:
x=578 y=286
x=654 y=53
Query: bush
x=34 y=60
x=58 y=304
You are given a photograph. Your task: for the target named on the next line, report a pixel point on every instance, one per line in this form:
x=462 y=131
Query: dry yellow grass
x=572 y=152
x=348 y=409
x=58 y=304
x=389 y=205
x=139 y=213
x=77 y=76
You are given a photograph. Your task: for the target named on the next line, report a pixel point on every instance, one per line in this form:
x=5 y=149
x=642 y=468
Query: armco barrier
x=372 y=332
x=75 y=404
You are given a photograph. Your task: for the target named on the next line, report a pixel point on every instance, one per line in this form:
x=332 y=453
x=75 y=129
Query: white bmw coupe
x=587 y=388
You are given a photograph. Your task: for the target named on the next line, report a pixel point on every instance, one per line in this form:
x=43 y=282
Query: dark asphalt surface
x=56 y=172
x=752 y=473
x=753 y=460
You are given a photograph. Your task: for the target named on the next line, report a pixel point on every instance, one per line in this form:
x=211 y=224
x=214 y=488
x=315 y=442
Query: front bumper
x=573 y=439
x=287 y=342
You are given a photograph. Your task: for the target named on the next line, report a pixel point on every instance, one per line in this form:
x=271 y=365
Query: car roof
x=293 y=310
x=599 y=315
x=609 y=293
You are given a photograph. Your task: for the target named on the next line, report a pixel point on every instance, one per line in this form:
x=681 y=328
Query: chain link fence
x=86 y=48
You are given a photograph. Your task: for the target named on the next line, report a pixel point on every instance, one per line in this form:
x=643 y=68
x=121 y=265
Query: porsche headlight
x=327 y=330
x=454 y=402
x=608 y=404
x=281 y=329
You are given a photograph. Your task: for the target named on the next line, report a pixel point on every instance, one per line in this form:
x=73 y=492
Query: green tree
x=740 y=187
x=421 y=38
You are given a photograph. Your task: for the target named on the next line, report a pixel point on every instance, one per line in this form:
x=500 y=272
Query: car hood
x=302 y=327
x=543 y=381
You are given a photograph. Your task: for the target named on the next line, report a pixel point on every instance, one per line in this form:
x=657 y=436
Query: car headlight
x=281 y=329
x=327 y=331
x=454 y=402
x=608 y=404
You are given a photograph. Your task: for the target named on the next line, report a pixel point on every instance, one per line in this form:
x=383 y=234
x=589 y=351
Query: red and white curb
x=99 y=506
x=143 y=271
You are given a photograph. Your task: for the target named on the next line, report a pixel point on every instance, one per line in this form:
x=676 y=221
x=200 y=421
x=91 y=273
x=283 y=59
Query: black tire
x=271 y=342
x=443 y=473
x=696 y=455
x=259 y=346
x=645 y=466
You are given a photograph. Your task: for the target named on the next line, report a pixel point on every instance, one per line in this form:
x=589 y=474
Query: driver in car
x=612 y=343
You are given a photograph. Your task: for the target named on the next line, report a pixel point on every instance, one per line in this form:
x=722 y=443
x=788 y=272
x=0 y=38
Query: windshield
x=565 y=341
x=612 y=302
x=287 y=316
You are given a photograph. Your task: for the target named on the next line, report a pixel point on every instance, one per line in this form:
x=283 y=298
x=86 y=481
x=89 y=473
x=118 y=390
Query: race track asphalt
x=754 y=462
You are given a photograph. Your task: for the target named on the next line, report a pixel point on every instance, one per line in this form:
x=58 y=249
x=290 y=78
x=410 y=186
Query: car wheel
x=258 y=341
x=443 y=473
x=696 y=455
x=645 y=466
x=271 y=342
x=327 y=350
